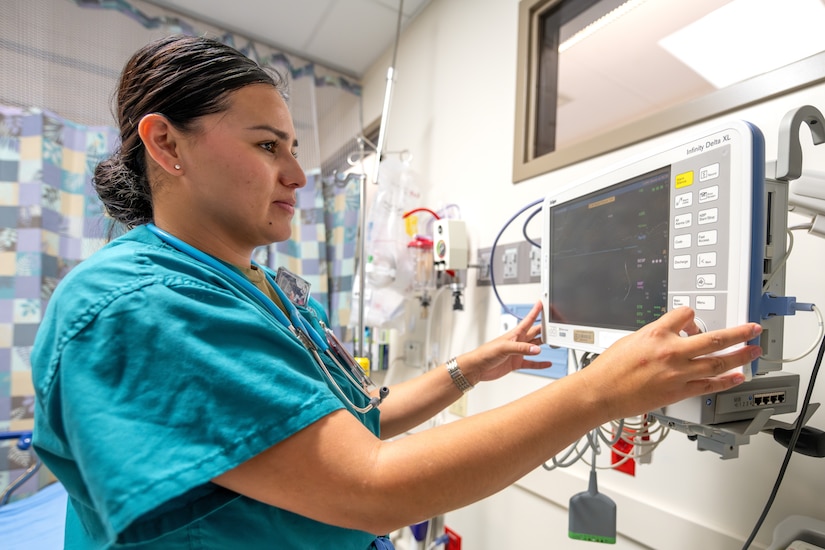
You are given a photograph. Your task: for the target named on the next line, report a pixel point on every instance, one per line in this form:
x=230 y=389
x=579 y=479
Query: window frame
x=526 y=165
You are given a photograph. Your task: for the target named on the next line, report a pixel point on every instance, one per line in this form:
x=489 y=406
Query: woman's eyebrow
x=278 y=133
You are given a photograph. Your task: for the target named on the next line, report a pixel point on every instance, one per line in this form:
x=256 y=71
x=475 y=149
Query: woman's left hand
x=505 y=354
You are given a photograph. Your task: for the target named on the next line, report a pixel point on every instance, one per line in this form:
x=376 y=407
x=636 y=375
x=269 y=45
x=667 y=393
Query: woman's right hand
x=656 y=366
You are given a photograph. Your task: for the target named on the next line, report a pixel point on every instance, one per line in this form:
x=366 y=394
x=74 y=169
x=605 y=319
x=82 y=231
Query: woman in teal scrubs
x=179 y=410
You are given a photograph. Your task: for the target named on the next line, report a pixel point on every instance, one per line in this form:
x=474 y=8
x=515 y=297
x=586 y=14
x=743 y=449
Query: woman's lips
x=288 y=206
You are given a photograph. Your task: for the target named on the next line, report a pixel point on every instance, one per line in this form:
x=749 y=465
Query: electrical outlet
x=535 y=264
x=515 y=263
x=511 y=257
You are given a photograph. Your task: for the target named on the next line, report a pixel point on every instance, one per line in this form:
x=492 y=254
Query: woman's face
x=240 y=174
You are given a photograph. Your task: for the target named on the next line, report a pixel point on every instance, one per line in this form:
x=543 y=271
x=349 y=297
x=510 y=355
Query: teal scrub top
x=153 y=374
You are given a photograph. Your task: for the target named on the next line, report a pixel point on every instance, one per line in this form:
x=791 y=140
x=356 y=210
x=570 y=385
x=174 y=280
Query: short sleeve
x=166 y=385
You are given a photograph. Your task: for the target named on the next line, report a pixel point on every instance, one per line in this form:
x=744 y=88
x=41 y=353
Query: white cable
x=781 y=262
x=627 y=430
x=816 y=342
x=776 y=269
x=650 y=427
x=784 y=259
x=630 y=434
x=807 y=226
x=428 y=326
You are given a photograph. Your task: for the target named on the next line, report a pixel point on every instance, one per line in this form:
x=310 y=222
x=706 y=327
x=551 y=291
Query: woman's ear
x=161 y=141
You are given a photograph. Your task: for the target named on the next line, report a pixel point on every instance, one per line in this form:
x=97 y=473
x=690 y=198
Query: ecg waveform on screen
x=609 y=254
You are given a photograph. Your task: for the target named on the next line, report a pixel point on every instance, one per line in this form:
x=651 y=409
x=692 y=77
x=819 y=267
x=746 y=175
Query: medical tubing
x=641 y=448
x=421 y=209
x=428 y=327
x=620 y=430
x=443 y=539
x=524 y=228
x=562 y=462
x=593 y=488
x=493 y=255
x=792 y=306
x=782 y=261
x=445 y=211
x=821 y=323
x=800 y=421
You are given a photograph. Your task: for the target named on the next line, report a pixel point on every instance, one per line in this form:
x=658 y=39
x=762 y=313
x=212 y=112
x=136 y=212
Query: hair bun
x=123 y=192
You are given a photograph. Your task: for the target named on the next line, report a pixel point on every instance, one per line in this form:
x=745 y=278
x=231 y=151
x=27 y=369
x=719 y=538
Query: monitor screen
x=609 y=254
x=680 y=226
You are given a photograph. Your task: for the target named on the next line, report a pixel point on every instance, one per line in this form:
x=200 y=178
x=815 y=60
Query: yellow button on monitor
x=684 y=179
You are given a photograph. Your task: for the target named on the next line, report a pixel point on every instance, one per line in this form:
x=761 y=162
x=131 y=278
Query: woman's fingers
x=715 y=384
x=681 y=321
x=714 y=365
x=717 y=340
x=527 y=323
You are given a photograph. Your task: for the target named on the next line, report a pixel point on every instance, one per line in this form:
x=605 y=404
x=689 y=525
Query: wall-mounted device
x=693 y=224
x=684 y=226
x=450 y=246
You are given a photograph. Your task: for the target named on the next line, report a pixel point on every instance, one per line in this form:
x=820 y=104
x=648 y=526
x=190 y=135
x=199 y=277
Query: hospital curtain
x=59 y=64
x=50 y=220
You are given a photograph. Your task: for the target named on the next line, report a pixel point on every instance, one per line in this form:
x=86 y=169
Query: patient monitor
x=693 y=224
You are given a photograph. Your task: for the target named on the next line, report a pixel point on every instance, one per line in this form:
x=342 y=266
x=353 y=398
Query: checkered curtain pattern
x=59 y=56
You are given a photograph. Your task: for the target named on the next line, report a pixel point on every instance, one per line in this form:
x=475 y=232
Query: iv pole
x=362 y=181
x=379 y=150
x=385 y=112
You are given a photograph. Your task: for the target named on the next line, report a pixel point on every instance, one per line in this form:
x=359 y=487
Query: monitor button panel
x=699 y=235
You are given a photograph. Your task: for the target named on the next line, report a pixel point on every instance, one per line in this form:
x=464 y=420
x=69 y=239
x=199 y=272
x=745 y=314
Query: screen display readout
x=609 y=254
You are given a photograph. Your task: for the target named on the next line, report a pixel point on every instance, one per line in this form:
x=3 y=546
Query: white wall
x=453 y=108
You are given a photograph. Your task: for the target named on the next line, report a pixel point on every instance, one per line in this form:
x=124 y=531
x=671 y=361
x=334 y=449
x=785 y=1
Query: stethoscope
x=330 y=346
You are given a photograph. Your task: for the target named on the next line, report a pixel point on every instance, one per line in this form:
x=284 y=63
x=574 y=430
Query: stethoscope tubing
x=295 y=323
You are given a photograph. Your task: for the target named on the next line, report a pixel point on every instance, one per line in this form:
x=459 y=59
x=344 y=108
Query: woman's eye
x=295 y=154
x=270 y=146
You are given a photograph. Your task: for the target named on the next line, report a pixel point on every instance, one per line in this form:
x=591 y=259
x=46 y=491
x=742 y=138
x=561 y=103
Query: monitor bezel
x=746 y=226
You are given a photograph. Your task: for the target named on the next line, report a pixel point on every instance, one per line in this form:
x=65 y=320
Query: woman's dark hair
x=182 y=78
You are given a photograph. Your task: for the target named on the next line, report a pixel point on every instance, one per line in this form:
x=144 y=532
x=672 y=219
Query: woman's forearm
x=415 y=401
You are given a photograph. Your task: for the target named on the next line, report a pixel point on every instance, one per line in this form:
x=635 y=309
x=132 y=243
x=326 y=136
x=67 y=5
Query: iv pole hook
x=789 y=158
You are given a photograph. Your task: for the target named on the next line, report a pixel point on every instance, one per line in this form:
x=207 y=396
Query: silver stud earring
x=177 y=167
